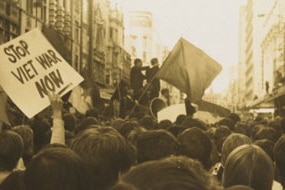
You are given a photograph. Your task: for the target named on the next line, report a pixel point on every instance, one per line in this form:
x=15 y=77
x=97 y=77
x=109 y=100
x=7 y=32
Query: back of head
x=266 y=133
x=105 y=152
x=189 y=122
x=154 y=61
x=11 y=149
x=148 y=122
x=180 y=118
x=266 y=145
x=195 y=144
x=57 y=169
x=244 y=128
x=231 y=142
x=70 y=122
x=171 y=173
x=249 y=165
x=42 y=133
x=164 y=91
x=156 y=144
x=28 y=139
x=137 y=61
x=227 y=122
x=87 y=123
x=279 y=158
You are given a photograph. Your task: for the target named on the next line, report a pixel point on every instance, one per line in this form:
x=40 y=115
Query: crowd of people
x=60 y=150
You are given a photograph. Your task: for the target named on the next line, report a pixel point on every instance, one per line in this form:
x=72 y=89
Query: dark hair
x=267 y=146
x=137 y=60
x=58 y=169
x=189 y=122
x=70 y=122
x=28 y=139
x=86 y=123
x=231 y=142
x=105 y=152
x=42 y=133
x=11 y=150
x=279 y=158
x=180 y=118
x=164 y=90
x=15 y=181
x=196 y=144
x=170 y=173
x=154 y=61
x=148 y=122
x=156 y=144
x=227 y=122
x=266 y=133
x=249 y=165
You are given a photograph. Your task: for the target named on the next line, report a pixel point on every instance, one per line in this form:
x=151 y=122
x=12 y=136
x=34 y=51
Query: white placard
x=30 y=68
x=171 y=112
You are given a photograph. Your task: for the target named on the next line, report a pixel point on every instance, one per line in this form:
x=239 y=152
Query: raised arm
x=58 y=135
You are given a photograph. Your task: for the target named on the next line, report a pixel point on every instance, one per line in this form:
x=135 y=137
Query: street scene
x=141 y=94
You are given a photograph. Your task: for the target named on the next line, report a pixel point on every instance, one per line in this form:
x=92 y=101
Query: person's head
x=138 y=62
x=28 y=139
x=267 y=146
x=105 y=152
x=11 y=150
x=266 y=133
x=57 y=168
x=148 y=122
x=156 y=144
x=170 y=173
x=190 y=122
x=154 y=61
x=180 y=118
x=279 y=158
x=194 y=143
x=244 y=128
x=165 y=92
x=70 y=122
x=248 y=165
x=87 y=123
x=42 y=133
x=231 y=142
x=220 y=135
x=227 y=122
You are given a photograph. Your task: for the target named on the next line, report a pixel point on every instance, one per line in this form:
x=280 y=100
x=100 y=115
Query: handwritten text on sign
x=30 y=68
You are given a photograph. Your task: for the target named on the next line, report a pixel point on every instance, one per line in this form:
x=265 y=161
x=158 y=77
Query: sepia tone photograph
x=142 y=95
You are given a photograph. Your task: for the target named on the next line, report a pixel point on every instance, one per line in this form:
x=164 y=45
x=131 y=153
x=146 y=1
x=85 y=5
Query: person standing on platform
x=137 y=78
x=153 y=82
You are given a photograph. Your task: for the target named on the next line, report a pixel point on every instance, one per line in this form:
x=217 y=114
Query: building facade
x=250 y=80
x=88 y=34
x=141 y=40
x=261 y=56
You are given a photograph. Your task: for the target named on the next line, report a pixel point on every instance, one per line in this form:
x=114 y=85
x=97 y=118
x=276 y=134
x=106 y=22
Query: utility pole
x=90 y=33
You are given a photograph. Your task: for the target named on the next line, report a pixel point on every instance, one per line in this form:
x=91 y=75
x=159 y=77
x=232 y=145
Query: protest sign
x=171 y=112
x=30 y=68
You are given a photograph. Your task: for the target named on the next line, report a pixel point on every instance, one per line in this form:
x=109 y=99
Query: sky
x=211 y=25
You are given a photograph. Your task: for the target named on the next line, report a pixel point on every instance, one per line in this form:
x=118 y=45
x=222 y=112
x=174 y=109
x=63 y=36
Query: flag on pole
x=189 y=69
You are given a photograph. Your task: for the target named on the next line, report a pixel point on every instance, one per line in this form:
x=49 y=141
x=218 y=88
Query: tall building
x=141 y=39
x=252 y=44
x=242 y=59
x=273 y=59
x=261 y=56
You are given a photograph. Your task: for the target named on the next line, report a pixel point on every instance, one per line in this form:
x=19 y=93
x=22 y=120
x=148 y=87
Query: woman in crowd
x=248 y=165
x=170 y=173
